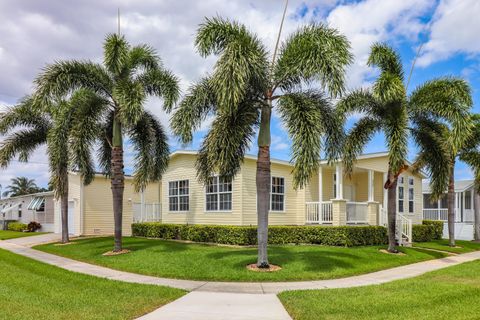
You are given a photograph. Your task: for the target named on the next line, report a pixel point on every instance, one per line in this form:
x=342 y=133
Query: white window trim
x=401 y=184
x=411 y=186
x=178 y=196
x=218 y=199
x=284 y=195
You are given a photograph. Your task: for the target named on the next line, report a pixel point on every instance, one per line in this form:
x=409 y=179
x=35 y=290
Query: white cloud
x=278 y=143
x=371 y=21
x=454 y=30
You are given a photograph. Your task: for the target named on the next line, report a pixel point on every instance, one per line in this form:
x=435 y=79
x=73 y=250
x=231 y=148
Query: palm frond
x=242 y=63
x=24 y=114
x=449 y=99
x=64 y=77
x=116 y=52
x=145 y=57
x=152 y=152
x=387 y=59
x=309 y=116
x=87 y=113
x=360 y=101
x=356 y=139
x=130 y=97
x=21 y=144
x=104 y=152
x=224 y=147
x=314 y=52
x=161 y=83
x=193 y=110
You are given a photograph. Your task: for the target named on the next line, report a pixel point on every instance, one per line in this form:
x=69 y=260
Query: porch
x=438 y=209
x=341 y=201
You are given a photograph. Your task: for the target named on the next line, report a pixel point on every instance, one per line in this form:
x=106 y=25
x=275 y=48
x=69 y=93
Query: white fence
x=319 y=212
x=357 y=212
x=406 y=228
x=147 y=212
x=435 y=214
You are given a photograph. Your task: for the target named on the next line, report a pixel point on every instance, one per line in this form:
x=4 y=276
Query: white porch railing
x=435 y=214
x=468 y=216
x=404 y=226
x=151 y=212
x=317 y=212
x=357 y=212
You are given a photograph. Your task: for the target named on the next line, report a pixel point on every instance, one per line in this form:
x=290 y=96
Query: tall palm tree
x=441 y=125
x=128 y=76
x=470 y=154
x=65 y=131
x=20 y=186
x=246 y=85
x=385 y=108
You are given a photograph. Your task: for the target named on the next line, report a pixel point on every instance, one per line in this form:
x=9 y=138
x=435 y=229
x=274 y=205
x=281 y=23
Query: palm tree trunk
x=476 y=215
x=263 y=180
x=117 y=183
x=451 y=206
x=64 y=214
x=392 y=214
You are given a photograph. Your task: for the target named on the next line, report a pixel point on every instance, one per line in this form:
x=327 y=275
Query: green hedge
x=243 y=235
x=427 y=231
x=437 y=228
x=17 y=226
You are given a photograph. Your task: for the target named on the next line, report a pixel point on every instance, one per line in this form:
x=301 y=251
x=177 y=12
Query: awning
x=5 y=210
x=36 y=203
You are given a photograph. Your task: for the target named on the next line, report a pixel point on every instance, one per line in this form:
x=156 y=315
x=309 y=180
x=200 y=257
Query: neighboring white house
x=464 y=208
x=36 y=207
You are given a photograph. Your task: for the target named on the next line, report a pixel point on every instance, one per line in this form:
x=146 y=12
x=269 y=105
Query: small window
x=218 y=194
x=400 y=199
x=400 y=180
x=411 y=194
x=468 y=200
x=178 y=195
x=277 y=195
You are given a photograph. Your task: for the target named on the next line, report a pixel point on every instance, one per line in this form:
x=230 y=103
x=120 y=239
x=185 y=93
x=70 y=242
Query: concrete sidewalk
x=21 y=246
x=221 y=306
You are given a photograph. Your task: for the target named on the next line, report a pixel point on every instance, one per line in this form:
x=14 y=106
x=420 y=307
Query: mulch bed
x=271 y=268
x=115 y=253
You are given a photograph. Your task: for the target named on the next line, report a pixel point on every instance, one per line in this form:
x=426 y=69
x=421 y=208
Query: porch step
x=406 y=243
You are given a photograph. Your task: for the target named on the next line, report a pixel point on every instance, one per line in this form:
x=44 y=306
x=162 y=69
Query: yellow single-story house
x=330 y=198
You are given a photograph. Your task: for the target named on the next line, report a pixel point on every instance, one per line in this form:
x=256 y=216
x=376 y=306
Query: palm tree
x=441 y=125
x=385 y=109
x=20 y=186
x=65 y=131
x=125 y=80
x=243 y=91
x=470 y=154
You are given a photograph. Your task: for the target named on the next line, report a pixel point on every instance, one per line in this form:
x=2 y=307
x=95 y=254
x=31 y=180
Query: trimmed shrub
x=245 y=235
x=437 y=228
x=17 y=226
x=33 y=226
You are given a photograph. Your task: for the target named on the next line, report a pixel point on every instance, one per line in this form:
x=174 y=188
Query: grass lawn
x=34 y=290
x=204 y=262
x=464 y=246
x=7 y=234
x=451 y=293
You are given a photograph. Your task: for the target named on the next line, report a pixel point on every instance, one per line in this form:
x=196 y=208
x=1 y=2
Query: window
x=468 y=200
x=218 y=194
x=20 y=210
x=277 y=195
x=178 y=195
x=37 y=204
x=400 y=194
x=411 y=195
x=428 y=202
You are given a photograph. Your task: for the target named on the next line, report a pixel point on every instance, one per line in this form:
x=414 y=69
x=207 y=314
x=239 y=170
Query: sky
x=35 y=33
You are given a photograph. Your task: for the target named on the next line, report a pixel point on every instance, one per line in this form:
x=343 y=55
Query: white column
x=320 y=185
x=339 y=174
x=370 y=185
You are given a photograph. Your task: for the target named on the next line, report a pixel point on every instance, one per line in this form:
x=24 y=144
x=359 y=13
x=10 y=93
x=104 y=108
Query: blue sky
x=33 y=34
